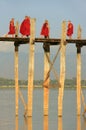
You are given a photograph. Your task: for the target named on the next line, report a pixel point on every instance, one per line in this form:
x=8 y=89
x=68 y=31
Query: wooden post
x=78 y=80
x=46 y=69
x=78 y=72
x=62 y=69
x=17 y=29
x=31 y=68
x=79 y=31
x=16 y=80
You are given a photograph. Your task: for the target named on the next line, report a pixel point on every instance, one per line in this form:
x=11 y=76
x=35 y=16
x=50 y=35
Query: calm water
x=69 y=121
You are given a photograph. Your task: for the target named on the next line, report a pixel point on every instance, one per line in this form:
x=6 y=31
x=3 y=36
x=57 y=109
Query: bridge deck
x=51 y=41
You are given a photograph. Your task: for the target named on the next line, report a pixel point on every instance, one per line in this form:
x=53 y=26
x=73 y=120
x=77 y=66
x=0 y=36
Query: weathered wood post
x=79 y=31
x=31 y=68
x=17 y=29
x=78 y=79
x=62 y=69
x=16 y=80
x=78 y=72
x=46 y=70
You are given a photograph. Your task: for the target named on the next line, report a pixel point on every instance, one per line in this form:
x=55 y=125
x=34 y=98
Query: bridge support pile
x=48 y=65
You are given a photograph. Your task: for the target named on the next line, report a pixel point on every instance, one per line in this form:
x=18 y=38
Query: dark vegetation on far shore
x=53 y=83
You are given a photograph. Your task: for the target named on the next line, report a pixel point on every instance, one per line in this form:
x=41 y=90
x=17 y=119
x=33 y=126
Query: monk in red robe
x=70 y=29
x=45 y=30
x=11 y=28
x=25 y=27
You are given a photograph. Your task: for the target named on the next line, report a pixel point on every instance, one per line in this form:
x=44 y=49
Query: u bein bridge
x=48 y=66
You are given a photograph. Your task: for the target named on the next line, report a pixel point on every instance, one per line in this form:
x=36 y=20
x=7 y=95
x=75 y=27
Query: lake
x=69 y=120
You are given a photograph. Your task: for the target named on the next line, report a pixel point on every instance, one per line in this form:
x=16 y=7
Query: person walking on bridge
x=25 y=27
x=70 y=29
x=11 y=28
x=45 y=30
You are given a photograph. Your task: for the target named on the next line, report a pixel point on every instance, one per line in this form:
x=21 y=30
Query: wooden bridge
x=48 y=66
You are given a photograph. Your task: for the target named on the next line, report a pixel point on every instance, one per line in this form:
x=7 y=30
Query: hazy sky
x=54 y=10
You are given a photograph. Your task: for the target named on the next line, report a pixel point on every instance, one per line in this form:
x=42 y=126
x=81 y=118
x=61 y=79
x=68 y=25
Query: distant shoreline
x=38 y=86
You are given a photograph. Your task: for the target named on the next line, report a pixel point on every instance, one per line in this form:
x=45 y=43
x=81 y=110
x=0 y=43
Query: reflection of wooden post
x=78 y=80
x=29 y=123
x=45 y=123
x=16 y=123
x=60 y=127
x=16 y=79
x=62 y=69
x=46 y=69
x=31 y=68
x=78 y=123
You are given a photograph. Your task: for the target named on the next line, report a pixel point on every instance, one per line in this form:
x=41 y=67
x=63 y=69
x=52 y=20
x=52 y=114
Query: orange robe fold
x=11 y=28
x=70 y=29
x=45 y=30
x=25 y=27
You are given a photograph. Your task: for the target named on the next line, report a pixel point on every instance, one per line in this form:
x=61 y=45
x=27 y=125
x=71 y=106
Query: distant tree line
x=68 y=82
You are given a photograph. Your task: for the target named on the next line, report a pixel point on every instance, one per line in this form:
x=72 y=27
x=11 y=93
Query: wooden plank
x=31 y=69
x=50 y=41
x=15 y=39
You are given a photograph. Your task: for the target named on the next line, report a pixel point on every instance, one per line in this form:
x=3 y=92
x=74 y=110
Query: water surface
x=69 y=120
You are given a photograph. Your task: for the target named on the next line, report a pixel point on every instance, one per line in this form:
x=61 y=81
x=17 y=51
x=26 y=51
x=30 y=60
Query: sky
x=54 y=10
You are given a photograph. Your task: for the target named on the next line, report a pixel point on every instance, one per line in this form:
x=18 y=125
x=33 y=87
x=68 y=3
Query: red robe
x=45 y=30
x=11 y=28
x=70 y=29
x=25 y=27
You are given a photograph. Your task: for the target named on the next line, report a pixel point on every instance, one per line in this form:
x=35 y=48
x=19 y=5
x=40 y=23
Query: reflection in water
x=59 y=123
x=45 y=123
x=27 y=124
x=78 y=123
x=84 y=123
x=16 y=123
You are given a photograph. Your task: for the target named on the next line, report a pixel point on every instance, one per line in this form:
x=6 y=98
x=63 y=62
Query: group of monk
x=24 y=28
x=45 y=30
